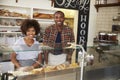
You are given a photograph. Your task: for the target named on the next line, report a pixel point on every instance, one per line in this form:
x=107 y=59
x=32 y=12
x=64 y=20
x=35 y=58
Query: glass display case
x=60 y=64
x=106 y=64
x=99 y=62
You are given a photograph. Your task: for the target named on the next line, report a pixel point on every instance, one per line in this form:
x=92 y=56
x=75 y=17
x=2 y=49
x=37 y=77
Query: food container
x=102 y=36
x=112 y=37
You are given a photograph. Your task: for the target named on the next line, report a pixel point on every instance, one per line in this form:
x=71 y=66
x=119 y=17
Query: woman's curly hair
x=29 y=23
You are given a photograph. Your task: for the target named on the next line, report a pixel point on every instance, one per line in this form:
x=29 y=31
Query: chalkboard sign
x=83 y=22
x=68 y=4
x=72 y=4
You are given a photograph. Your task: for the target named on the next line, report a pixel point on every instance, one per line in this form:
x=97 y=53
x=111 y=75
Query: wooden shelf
x=10 y=32
x=97 y=6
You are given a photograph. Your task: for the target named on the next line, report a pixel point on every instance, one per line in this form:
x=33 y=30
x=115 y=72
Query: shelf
x=7 y=17
x=44 y=20
x=10 y=32
x=97 y=6
x=44 y=11
x=116 y=19
x=11 y=17
x=2 y=26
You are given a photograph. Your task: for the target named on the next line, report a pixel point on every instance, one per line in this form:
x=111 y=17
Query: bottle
x=89 y=59
x=80 y=56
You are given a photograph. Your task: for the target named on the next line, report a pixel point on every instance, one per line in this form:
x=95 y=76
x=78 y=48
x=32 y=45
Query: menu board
x=68 y=4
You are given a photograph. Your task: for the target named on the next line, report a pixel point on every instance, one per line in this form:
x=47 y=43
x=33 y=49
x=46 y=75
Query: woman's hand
x=27 y=68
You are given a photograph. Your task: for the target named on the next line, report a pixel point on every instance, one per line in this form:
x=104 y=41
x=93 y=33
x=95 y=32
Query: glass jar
x=112 y=37
x=102 y=36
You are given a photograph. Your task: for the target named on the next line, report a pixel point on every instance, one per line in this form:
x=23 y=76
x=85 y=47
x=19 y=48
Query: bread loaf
x=42 y=15
x=61 y=67
x=36 y=71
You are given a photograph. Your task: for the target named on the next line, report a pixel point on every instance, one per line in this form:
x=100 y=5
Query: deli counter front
x=60 y=66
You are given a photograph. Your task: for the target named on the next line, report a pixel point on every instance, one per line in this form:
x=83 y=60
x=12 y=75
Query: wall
x=104 y=18
x=92 y=21
x=45 y=4
x=112 y=1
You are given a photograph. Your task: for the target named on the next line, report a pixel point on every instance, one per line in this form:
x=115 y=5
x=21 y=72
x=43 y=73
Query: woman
x=26 y=49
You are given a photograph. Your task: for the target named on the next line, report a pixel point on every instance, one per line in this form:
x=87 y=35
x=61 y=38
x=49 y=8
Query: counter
x=66 y=74
x=70 y=72
x=113 y=52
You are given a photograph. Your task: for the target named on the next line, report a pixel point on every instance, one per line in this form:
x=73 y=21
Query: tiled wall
x=104 y=18
x=112 y=1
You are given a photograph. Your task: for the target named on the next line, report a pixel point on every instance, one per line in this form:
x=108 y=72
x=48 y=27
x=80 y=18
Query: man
x=57 y=36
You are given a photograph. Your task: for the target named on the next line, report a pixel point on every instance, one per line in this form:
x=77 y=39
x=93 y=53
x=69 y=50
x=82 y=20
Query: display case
x=106 y=64
x=69 y=64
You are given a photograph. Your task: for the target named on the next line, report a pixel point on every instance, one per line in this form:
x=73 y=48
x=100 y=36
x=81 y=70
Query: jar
x=102 y=36
x=112 y=37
